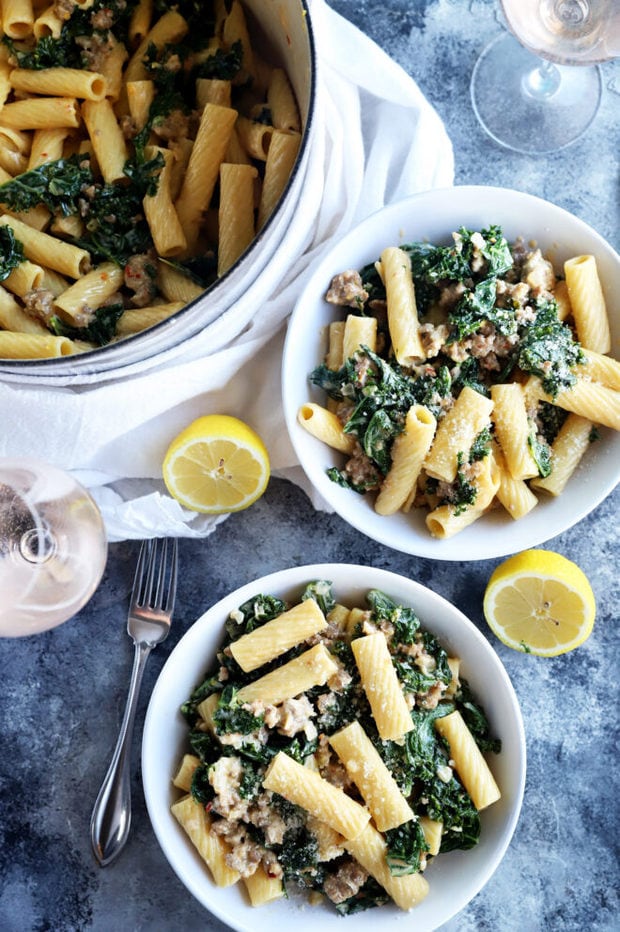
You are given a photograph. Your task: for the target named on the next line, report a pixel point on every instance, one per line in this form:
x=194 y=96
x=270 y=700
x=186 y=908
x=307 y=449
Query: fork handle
x=111 y=817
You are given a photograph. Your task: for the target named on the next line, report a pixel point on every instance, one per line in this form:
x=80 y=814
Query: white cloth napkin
x=377 y=139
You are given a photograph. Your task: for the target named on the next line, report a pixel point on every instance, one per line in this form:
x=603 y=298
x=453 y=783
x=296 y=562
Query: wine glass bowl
x=569 y=32
x=527 y=91
x=53 y=547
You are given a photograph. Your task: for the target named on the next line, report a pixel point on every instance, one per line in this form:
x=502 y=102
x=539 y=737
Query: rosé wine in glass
x=53 y=547
x=527 y=91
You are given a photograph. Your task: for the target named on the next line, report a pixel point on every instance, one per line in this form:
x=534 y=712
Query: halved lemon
x=539 y=602
x=218 y=464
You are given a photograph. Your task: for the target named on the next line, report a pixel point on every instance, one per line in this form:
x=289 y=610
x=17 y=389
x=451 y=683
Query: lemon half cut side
x=217 y=465
x=540 y=602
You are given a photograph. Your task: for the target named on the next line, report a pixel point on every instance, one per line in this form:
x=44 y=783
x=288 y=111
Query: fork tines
x=156 y=574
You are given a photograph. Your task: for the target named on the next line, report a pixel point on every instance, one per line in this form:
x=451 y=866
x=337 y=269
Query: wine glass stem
x=542 y=81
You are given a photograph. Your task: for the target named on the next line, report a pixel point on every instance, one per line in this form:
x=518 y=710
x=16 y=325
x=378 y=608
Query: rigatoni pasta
x=303 y=787
x=408 y=455
x=129 y=132
x=325 y=426
x=587 y=303
x=195 y=821
x=469 y=763
x=306 y=788
x=278 y=635
x=395 y=271
x=380 y=682
x=377 y=786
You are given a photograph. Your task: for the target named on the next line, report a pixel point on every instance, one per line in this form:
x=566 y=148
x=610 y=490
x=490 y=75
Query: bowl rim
x=507 y=538
x=174 y=680
x=94 y=360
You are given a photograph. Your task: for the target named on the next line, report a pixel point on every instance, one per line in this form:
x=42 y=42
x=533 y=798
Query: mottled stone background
x=62 y=694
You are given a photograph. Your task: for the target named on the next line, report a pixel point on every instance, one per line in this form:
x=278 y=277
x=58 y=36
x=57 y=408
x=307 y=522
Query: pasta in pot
x=466 y=361
x=333 y=748
x=129 y=136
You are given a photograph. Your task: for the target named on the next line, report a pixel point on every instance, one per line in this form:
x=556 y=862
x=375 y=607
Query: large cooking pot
x=285 y=26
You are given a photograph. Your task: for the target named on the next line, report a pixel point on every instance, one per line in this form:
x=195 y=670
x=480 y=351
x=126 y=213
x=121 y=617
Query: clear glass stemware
x=537 y=88
x=53 y=547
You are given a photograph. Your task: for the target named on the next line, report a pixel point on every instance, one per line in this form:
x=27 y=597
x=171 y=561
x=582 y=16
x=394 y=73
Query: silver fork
x=148 y=623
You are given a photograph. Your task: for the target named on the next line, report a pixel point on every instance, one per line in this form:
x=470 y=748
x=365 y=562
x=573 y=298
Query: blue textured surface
x=63 y=693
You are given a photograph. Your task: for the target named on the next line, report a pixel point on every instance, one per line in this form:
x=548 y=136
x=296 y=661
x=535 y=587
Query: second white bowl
x=432 y=216
x=453 y=878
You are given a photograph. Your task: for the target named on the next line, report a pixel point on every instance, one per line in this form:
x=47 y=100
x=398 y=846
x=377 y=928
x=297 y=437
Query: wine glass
x=53 y=547
x=523 y=93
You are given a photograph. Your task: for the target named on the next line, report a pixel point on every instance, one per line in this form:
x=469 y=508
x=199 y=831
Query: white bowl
x=432 y=216
x=453 y=878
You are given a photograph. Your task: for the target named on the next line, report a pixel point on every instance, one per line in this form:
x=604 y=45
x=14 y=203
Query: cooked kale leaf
x=405 y=847
x=204 y=746
x=380 y=397
x=478 y=306
x=339 y=477
x=468 y=374
x=405 y=621
x=196 y=12
x=547 y=349
x=413 y=679
x=450 y=803
x=169 y=90
x=223 y=64
x=550 y=419
x=57 y=184
x=496 y=251
x=47 y=53
x=422 y=744
x=541 y=453
x=367 y=897
x=321 y=591
x=378 y=437
x=210 y=685
x=434 y=264
x=116 y=228
x=431 y=390
x=463 y=491
x=476 y=720
x=251 y=782
x=11 y=252
x=252 y=614
x=481 y=445
x=299 y=856
x=99 y=331
x=201 y=788
x=231 y=717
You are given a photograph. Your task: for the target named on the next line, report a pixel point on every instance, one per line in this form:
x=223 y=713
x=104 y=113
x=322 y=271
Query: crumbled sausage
x=39 y=303
x=433 y=338
x=174 y=126
x=346 y=882
x=140 y=278
x=64 y=9
x=538 y=272
x=96 y=49
x=347 y=289
x=361 y=471
x=291 y=717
